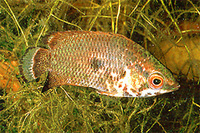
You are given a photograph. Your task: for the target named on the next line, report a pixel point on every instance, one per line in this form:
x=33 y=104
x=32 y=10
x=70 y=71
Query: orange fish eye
x=155 y=81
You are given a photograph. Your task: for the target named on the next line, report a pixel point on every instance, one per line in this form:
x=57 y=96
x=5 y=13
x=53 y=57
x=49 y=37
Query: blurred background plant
x=170 y=30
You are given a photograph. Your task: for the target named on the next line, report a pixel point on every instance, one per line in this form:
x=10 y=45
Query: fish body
x=111 y=63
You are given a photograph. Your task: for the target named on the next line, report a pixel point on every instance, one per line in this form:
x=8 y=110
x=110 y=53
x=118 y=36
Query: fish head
x=156 y=79
x=158 y=83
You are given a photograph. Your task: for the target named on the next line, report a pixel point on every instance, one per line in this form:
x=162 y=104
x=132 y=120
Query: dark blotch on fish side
x=96 y=64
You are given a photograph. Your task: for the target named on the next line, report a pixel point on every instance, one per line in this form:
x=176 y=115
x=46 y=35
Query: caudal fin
x=34 y=63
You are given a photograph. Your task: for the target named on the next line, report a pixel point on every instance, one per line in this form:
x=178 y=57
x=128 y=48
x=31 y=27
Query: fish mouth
x=169 y=88
x=176 y=86
x=173 y=87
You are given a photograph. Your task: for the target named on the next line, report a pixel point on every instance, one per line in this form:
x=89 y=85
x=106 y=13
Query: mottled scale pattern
x=89 y=59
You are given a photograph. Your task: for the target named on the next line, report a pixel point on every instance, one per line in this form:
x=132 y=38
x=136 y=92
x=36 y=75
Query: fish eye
x=156 y=81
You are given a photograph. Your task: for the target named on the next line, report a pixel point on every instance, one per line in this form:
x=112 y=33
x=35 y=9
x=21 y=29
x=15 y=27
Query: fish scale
x=85 y=64
x=111 y=63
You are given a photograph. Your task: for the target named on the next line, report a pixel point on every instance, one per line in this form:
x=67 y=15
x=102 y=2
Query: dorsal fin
x=53 y=39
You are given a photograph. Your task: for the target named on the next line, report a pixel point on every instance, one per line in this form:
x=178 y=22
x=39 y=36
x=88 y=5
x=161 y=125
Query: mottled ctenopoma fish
x=111 y=63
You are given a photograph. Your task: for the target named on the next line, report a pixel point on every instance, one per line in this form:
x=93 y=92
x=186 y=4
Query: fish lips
x=173 y=87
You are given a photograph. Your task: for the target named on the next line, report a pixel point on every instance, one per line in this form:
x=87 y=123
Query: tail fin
x=34 y=63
